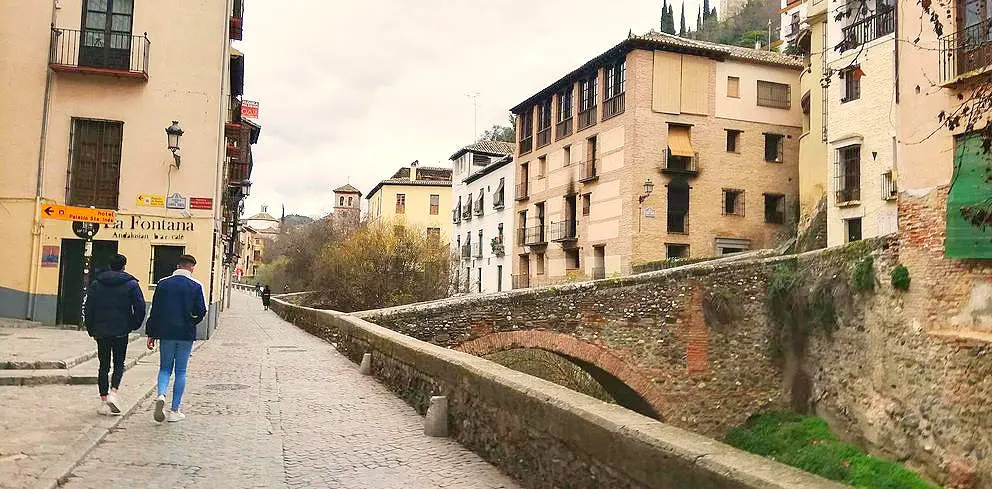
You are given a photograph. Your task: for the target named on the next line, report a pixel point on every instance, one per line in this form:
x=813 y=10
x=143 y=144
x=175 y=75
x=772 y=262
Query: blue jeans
x=173 y=356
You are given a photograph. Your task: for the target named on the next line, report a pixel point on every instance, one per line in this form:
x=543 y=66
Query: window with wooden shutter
x=733 y=87
x=969 y=202
x=771 y=94
x=95 y=171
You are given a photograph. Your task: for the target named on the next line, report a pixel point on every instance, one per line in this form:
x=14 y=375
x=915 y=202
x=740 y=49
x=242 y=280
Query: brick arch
x=630 y=388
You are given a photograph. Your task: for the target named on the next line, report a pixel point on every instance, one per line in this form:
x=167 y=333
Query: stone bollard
x=436 y=422
x=366 y=367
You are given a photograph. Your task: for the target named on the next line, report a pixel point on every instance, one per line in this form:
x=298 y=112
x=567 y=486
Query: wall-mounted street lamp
x=174 y=133
x=648 y=188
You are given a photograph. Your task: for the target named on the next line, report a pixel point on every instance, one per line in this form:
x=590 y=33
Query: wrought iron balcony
x=467 y=251
x=849 y=194
x=563 y=129
x=881 y=23
x=467 y=212
x=456 y=215
x=682 y=165
x=521 y=236
x=968 y=50
x=564 y=231
x=590 y=171
x=889 y=188
x=478 y=250
x=99 y=53
x=535 y=236
x=237 y=17
x=521 y=191
x=479 y=207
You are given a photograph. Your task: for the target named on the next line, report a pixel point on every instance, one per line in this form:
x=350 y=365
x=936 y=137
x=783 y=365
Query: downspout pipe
x=33 y=266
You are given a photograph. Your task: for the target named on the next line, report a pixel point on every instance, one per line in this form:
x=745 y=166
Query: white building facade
x=483 y=178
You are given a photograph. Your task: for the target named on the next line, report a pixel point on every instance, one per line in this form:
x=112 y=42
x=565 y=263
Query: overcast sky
x=350 y=90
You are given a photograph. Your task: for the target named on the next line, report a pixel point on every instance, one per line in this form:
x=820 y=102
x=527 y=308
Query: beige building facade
x=415 y=196
x=90 y=102
x=660 y=148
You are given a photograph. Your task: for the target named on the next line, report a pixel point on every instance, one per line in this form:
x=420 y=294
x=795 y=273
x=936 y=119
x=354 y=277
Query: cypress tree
x=670 y=21
x=664 y=11
x=682 y=21
x=706 y=11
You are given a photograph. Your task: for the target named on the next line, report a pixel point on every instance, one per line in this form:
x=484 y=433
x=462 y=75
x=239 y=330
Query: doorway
x=70 y=302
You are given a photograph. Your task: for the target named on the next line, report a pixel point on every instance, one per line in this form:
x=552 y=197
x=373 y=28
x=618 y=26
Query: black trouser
x=108 y=348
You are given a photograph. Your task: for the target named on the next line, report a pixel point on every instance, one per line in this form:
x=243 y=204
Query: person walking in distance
x=177 y=307
x=266 y=297
x=114 y=308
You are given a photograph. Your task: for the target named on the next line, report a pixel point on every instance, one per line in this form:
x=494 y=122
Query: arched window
x=349 y=201
x=342 y=200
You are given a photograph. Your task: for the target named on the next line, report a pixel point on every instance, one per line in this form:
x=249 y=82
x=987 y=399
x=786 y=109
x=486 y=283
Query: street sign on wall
x=175 y=201
x=202 y=203
x=81 y=214
x=151 y=200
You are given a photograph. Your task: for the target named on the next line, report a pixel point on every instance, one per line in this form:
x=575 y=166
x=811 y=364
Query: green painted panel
x=972 y=184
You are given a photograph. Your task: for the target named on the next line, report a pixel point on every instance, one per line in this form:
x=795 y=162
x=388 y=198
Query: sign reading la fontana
x=150 y=228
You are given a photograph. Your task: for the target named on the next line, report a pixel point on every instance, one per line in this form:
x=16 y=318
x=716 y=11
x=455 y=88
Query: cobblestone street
x=271 y=406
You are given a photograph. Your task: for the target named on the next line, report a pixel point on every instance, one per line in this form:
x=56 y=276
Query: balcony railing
x=563 y=129
x=587 y=118
x=466 y=251
x=467 y=212
x=478 y=250
x=499 y=200
x=99 y=53
x=535 y=236
x=965 y=51
x=613 y=106
x=456 y=215
x=590 y=171
x=850 y=194
x=564 y=231
x=478 y=208
x=526 y=145
x=544 y=137
x=521 y=236
x=521 y=281
x=881 y=23
x=521 y=193
x=683 y=165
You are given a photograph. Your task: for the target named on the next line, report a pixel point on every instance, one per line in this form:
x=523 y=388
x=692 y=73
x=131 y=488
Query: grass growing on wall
x=806 y=442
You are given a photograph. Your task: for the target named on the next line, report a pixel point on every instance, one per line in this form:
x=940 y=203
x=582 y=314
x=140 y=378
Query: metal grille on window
x=94 y=176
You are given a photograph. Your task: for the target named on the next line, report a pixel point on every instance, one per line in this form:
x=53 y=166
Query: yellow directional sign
x=81 y=214
x=151 y=200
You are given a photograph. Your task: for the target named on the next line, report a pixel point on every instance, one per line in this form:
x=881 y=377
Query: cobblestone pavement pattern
x=271 y=406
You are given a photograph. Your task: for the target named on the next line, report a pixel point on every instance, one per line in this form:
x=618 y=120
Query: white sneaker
x=160 y=409
x=103 y=409
x=114 y=403
x=176 y=416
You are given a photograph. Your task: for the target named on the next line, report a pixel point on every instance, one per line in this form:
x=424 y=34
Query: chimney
x=413 y=169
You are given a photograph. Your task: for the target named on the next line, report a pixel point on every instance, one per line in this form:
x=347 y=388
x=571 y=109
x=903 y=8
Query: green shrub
x=806 y=442
x=900 y=277
x=864 y=274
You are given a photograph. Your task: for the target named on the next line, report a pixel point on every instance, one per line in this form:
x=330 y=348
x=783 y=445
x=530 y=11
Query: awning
x=678 y=142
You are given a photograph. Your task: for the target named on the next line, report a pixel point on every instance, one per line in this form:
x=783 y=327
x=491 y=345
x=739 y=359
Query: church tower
x=347 y=208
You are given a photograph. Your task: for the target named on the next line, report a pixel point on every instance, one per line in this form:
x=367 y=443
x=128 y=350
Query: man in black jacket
x=114 y=308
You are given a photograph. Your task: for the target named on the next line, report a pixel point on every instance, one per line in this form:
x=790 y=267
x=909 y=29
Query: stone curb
x=60 y=471
x=56 y=364
x=65 y=375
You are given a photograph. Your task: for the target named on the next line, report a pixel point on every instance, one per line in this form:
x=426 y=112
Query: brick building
x=661 y=147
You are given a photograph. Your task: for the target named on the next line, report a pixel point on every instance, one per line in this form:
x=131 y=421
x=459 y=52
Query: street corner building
x=661 y=147
x=134 y=111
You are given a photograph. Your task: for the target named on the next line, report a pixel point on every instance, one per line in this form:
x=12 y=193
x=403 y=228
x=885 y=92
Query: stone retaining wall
x=543 y=434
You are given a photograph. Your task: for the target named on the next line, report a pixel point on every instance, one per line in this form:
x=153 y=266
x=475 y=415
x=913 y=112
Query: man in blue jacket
x=177 y=307
x=114 y=308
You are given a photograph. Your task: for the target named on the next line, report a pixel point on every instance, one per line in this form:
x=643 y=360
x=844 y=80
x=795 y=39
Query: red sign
x=249 y=109
x=202 y=203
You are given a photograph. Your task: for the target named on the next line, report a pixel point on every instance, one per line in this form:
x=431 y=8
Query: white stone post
x=436 y=422
x=366 y=366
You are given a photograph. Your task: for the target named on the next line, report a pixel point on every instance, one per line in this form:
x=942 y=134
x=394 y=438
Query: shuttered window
x=772 y=94
x=95 y=172
x=969 y=203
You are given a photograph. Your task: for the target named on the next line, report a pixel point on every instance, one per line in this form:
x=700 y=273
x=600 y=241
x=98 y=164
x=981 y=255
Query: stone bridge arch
x=622 y=381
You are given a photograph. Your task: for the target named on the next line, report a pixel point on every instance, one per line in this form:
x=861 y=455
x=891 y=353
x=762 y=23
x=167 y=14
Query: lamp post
x=648 y=188
x=174 y=133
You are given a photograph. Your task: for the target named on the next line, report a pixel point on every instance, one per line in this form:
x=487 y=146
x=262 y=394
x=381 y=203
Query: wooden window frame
x=102 y=150
x=770 y=100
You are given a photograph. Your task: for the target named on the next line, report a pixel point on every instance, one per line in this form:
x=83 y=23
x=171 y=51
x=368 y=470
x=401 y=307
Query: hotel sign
x=249 y=109
x=79 y=214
